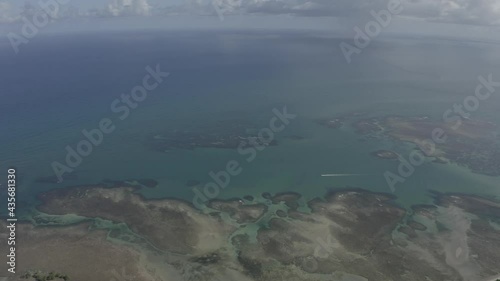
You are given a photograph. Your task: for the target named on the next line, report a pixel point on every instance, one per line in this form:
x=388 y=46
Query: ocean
x=61 y=84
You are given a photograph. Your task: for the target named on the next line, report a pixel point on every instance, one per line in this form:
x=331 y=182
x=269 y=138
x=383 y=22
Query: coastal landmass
x=471 y=143
x=349 y=233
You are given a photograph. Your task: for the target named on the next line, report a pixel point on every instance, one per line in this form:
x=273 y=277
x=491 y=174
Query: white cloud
x=474 y=12
x=129 y=8
x=468 y=11
x=484 y=12
x=7 y=13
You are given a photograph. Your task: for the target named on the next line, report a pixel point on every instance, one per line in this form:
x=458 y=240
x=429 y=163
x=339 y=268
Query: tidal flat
x=349 y=234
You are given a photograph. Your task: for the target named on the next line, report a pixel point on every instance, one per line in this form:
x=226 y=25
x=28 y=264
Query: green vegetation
x=39 y=276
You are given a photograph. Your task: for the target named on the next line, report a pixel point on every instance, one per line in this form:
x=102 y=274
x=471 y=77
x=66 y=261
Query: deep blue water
x=59 y=85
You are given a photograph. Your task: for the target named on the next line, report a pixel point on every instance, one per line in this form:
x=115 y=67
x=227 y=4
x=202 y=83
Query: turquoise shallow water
x=62 y=85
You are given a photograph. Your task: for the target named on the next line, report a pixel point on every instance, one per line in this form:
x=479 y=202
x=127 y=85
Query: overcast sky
x=459 y=17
